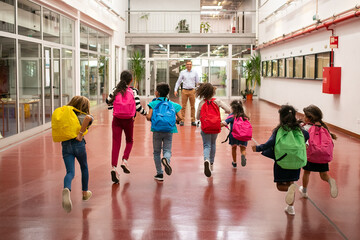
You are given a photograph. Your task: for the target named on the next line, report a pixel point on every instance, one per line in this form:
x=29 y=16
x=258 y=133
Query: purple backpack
x=242 y=129
x=320 y=149
x=124 y=105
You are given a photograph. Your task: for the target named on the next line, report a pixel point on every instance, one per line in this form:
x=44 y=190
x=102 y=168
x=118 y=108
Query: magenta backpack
x=320 y=149
x=242 y=129
x=124 y=105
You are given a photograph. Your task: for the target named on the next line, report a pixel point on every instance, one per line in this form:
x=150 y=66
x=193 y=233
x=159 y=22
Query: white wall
x=296 y=15
x=341 y=110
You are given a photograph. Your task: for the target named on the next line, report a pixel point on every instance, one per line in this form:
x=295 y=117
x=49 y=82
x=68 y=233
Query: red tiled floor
x=233 y=204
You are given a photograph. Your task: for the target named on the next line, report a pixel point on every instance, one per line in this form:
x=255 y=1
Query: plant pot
x=249 y=96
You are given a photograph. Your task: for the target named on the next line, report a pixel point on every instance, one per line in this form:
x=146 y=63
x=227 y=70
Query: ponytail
x=125 y=80
x=333 y=136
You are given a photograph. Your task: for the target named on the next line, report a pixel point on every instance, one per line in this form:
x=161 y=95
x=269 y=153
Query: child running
x=209 y=114
x=319 y=151
x=125 y=102
x=162 y=114
x=237 y=112
x=75 y=148
x=287 y=147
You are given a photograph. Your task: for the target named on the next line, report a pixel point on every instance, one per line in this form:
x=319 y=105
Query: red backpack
x=210 y=117
x=320 y=149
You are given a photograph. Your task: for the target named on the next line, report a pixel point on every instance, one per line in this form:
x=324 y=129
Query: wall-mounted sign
x=334 y=41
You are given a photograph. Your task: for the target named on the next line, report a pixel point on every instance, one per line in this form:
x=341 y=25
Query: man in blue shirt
x=190 y=79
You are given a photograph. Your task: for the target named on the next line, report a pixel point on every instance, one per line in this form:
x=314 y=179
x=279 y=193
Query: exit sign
x=334 y=42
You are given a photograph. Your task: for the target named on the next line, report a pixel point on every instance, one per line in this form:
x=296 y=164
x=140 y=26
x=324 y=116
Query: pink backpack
x=124 y=105
x=210 y=117
x=320 y=149
x=242 y=130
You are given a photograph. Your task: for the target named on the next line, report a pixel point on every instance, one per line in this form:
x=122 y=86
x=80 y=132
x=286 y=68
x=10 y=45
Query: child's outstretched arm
x=84 y=125
x=149 y=115
x=138 y=106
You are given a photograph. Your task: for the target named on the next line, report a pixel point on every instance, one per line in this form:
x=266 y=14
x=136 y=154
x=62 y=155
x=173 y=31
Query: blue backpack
x=164 y=116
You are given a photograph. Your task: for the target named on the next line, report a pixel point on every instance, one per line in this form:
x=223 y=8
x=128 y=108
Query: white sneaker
x=290 y=195
x=114 y=175
x=290 y=210
x=303 y=194
x=333 y=188
x=66 y=200
x=124 y=165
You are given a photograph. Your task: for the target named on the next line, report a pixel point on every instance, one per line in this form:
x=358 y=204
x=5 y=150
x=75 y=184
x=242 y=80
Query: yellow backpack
x=65 y=124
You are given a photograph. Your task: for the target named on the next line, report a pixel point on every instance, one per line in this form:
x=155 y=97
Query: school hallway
x=240 y=203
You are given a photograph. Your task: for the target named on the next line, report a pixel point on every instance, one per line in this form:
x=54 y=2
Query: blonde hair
x=81 y=103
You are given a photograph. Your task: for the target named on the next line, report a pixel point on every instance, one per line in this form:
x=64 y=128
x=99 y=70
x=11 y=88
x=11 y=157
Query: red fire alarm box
x=332 y=80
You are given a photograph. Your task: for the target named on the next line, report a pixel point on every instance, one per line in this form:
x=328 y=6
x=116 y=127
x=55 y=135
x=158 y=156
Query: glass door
x=51 y=80
x=158 y=73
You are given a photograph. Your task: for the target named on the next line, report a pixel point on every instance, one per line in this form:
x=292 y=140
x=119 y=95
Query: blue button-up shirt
x=189 y=79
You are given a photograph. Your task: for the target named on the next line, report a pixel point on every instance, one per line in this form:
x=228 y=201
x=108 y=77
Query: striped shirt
x=189 y=79
x=138 y=106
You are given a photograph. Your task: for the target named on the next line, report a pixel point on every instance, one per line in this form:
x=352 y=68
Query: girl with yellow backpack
x=69 y=124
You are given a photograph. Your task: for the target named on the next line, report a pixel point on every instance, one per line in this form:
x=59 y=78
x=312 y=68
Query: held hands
x=175 y=93
x=253 y=148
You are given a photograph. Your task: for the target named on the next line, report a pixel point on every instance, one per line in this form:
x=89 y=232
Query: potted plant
x=137 y=67
x=182 y=26
x=204 y=27
x=252 y=75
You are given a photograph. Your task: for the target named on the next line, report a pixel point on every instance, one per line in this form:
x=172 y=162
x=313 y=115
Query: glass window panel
x=51 y=22
x=131 y=49
x=7 y=16
x=84 y=30
x=241 y=51
x=93 y=39
x=67 y=31
x=238 y=82
x=289 y=68
x=8 y=87
x=274 y=68
x=299 y=66
x=68 y=81
x=29 y=23
x=188 y=51
x=103 y=78
x=281 y=63
x=219 y=50
x=93 y=78
x=310 y=66
x=158 y=73
x=263 y=68
x=322 y=60
x=218 y=76
x=30 y=93
x=84 y=74
x=158 y=51
x=103 y=42
x=268 y=70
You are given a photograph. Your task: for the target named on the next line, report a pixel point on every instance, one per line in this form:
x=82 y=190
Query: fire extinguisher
x=233 y=29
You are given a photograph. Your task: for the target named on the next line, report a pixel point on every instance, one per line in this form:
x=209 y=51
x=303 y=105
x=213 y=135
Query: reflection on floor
x=240 y=203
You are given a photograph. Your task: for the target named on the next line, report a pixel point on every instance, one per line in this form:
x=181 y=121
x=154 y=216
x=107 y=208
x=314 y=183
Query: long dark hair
x=125 y=80
x=238 y=109
x=206 y=91
x=314 y=114
x=288 y=118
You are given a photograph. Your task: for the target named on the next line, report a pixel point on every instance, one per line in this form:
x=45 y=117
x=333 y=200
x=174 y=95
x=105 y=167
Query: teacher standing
x=190 y=79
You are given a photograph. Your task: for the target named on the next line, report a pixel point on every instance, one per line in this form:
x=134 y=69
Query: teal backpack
x=290 y=149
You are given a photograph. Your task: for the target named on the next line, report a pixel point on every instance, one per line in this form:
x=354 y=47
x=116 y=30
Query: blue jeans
x=72 y=149
x=209 y=144
x=161 y=140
